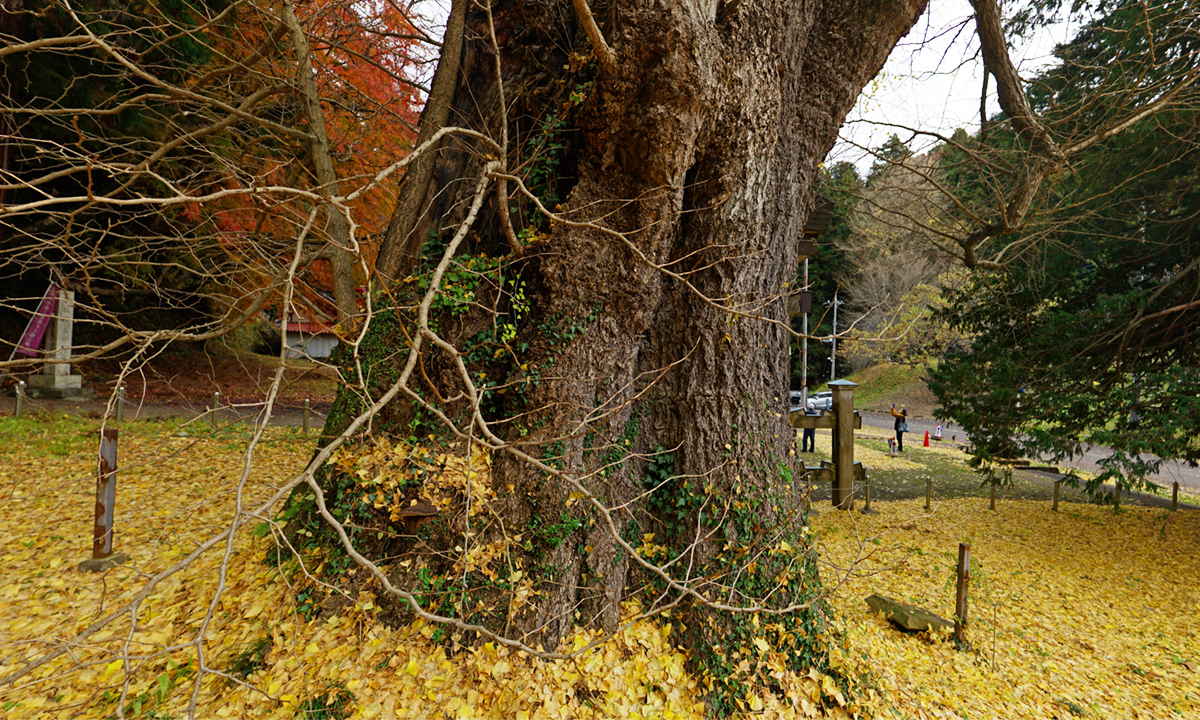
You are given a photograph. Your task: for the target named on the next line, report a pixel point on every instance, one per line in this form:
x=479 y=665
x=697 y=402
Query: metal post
x=106 y=495
x=120 y=404
x=106 y=500
x=20 y=398
x=306 y=410
x=804 y=348
x=992 y=494
x=928 y=491
x=1175 y=496
x=833 y=355
x=867 y=510
x=1057 y=484
x=215 y=404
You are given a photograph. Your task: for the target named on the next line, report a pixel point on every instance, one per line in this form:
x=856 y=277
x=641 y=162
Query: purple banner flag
x=32 y=340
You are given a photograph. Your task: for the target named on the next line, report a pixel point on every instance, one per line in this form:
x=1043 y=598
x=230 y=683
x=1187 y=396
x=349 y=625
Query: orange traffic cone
x=926 y=438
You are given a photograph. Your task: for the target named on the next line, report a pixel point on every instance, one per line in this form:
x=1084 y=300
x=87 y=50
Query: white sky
x=932 y=81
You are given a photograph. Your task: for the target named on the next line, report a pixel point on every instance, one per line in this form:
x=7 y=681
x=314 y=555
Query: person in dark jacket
x=901 y=425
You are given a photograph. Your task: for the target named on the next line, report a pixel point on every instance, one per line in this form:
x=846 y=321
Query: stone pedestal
x=102 y=564
x=56 y=380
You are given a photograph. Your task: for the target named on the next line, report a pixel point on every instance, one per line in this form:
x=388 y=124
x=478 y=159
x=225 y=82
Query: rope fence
x=861 y=491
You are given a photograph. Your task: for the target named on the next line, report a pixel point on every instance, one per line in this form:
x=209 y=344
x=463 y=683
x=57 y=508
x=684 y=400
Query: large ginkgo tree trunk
x=625 y=346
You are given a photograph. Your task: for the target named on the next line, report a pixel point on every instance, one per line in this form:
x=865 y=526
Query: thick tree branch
x=402 y=242
x=1045 y=157
x=604 y=54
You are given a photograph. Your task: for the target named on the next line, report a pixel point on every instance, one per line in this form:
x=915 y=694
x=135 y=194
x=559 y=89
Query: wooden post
x=992 y=494
x=21 y=400
x=1175 y=496
x=928 y=492
x=106 y=500
x=843 y=443
x=1057 y=484
x=960 y=597
x=306 y=410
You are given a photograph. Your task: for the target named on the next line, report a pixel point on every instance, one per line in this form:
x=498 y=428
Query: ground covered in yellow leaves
x=1081 y=613
x=1084 y=612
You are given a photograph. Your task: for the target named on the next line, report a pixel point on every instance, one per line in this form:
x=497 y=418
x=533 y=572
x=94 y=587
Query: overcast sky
x=932 y=81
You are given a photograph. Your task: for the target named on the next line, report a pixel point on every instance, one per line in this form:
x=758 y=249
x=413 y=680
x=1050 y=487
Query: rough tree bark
x=698 y=144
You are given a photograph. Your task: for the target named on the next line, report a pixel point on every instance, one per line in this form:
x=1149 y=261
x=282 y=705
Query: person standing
x=809 y=442
x=901 y=426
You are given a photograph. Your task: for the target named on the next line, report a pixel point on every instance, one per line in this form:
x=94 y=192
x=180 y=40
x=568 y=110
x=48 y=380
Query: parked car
x=817 y=401
x=821 y=401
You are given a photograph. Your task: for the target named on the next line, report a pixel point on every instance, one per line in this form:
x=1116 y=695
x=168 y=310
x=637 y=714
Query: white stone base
x=57 y=386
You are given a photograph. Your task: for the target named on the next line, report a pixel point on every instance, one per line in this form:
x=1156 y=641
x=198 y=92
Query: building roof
x=310 y=328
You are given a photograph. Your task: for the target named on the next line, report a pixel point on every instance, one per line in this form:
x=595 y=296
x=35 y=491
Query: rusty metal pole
x=106 y=495
x=106 y=500
x=867 y=509
x=20 y=398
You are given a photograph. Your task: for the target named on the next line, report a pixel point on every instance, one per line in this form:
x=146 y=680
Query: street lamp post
x=833 y=355
x=804 y=347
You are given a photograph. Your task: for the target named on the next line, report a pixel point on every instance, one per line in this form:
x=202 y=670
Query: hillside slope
x=882 y=385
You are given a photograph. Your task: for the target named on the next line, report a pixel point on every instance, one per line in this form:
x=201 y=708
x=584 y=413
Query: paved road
x=1171 y=472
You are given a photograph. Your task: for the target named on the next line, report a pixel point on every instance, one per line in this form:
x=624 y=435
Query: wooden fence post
x=106 y=498
x=843 y=443
x=992 y=495
x=1057 y=484
x=1175 y=496
x=960 y=597
x=928 y=491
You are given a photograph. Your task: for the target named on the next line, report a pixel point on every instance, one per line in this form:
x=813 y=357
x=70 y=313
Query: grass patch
x=903 y=477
